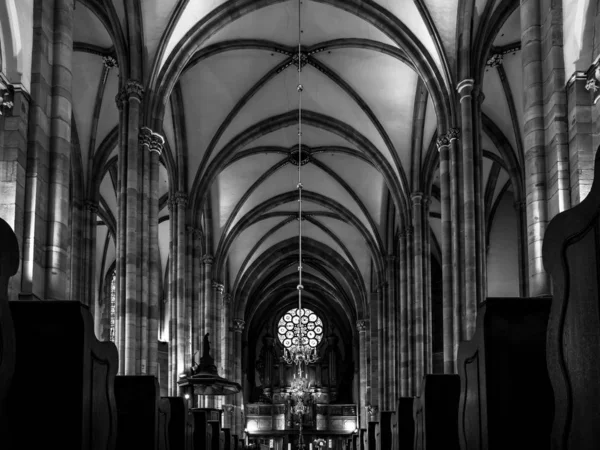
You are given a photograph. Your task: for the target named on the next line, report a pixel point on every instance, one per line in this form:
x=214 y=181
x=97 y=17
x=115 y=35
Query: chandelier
x=300 y=352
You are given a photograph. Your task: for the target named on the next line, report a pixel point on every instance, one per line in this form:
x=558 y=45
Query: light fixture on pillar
x=300 y=352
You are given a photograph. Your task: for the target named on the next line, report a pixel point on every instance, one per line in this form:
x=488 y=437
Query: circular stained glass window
x=296 y=323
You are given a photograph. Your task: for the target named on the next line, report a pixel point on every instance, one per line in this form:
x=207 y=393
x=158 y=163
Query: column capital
x=391 y=258
x=361 y=325
x=194 y=232
x=157 y=143
x=453 y=134
x=228 y=408
x=144 y=137
x=417 y=198
x=464 y=88
x=495 y=60
x=218 y=286
x=7 y=92
x=91 y=206
x=407 y=232
x=227 y=298
x=207 y=259
x=593 y=80
x=238 y=325
x=442 y=141
x=181 y=198
x=110 y=62
x=519 y=206
x=372 y=410
x=382 y=286
x=133 y=89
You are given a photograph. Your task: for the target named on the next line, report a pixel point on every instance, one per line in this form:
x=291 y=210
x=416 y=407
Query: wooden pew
x=403 y=425
x=506 y=360
x=385 y=429
x=64 y=371
x=164 y=420
x=570 y=253
x=435 y=413
x=9 y=264
x=138 y=408
x=181 y=425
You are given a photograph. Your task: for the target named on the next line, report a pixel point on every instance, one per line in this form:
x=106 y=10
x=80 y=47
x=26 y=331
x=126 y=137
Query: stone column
x=361 y=327
x=383 y=354
x=37 y=156
x=593 y=86
x=156 y=146
x=87 y=293
x=121 y=100
x=207 y=261
x=533 y=143
x=197 y=311
x=403 y=315
x=60 y=152
x=226 y=349
x=215 y=311
x=392 y=357
x=189 y=295
x=581 y=147
x=410 y=302
x=181 y=200
x=172 y=306
x=236 y=373
x=521 y=213
x=443 y=144
x=134 y=93
x=470 y=237
x=418 y=310
x=556 y=131
x=459 y=330
x=14 y=119
x=143 y=237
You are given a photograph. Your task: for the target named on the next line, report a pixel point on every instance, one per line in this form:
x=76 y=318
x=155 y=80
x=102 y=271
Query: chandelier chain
x=299 y=187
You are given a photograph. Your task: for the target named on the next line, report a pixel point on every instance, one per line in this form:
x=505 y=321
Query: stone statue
x=206 y=346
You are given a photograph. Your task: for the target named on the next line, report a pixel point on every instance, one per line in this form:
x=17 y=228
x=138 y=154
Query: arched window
x=293 y=323
x=113 y=304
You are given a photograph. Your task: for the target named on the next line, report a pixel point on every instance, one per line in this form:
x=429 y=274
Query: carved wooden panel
x=570 y=251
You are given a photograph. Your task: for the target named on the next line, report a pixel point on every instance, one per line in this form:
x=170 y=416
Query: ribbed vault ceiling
x=230 y=123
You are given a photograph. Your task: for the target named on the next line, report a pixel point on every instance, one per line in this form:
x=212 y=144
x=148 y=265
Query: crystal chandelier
x=300 y=352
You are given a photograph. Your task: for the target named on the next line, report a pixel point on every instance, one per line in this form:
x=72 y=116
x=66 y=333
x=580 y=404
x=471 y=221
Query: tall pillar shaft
x=418 y=299
x=458 y=304
x=361 y=326
x=533 y=144
x=403 y=316
x=180 y=328
x=443 y=144
x=155 y=148
x=392 y=353
x=134 y=93
x=60 y=152
x=409 y=320
x=581 y=147
x=470 y=237
x=14 y=120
